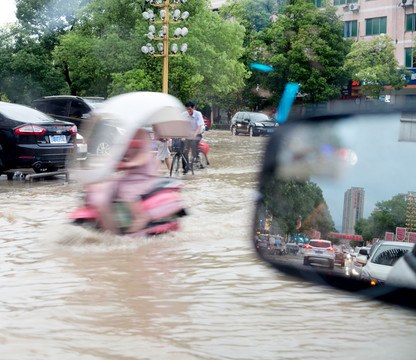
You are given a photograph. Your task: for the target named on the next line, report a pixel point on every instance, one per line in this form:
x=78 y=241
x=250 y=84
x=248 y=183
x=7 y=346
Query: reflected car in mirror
x=382 y=261
x=319 y=252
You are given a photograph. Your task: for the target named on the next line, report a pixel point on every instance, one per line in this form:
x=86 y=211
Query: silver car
x=319 y=252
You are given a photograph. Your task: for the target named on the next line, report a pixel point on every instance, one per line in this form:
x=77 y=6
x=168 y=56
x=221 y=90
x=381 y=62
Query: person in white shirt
x=197 y=128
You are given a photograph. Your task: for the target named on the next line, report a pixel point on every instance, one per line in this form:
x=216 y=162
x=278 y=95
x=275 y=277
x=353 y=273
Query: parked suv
x=76 y=110
x=252 y=123
x=319 y=252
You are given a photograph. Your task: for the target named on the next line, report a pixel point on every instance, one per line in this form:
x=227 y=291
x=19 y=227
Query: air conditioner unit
x=356 y=7
x=407 y=2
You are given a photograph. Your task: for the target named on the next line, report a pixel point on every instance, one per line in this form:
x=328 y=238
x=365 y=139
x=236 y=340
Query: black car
x=252 y=123
x=29 y=139
x=67 y=107
x=77 y=110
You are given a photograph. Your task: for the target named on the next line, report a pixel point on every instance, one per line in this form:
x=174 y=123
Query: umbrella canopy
x=117 y=120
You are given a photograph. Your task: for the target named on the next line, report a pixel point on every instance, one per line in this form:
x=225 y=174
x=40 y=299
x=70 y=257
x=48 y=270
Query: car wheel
x=10 y=176
x=234 y=131
x=103 y=148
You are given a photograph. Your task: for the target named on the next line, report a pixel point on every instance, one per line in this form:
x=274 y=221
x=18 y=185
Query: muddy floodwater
x=199 y=293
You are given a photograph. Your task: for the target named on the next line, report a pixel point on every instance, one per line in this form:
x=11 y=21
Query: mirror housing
x=311 y=167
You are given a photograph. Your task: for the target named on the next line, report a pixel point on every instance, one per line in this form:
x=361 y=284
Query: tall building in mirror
x=353 y=209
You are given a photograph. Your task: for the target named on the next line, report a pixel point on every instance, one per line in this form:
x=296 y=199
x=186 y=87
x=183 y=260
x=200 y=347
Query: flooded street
x=200 y=293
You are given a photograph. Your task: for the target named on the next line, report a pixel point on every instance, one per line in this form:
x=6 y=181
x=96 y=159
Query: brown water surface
x=200 y=293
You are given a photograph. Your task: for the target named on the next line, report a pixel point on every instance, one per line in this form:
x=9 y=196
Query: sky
x=384 y=166
x=7 y=10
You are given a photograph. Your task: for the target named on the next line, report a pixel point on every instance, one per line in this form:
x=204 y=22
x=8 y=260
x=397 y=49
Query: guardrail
x=30 y=177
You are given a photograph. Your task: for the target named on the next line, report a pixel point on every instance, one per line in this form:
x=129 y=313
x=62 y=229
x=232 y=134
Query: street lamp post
x=163 y=34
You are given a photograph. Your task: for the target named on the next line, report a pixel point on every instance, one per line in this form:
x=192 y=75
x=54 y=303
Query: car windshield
x=23 y=113
x=320 y=244
x=389 y=254
x=260 y=117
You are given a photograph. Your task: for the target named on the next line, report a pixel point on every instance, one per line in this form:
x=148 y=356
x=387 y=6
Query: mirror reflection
x=338 y=197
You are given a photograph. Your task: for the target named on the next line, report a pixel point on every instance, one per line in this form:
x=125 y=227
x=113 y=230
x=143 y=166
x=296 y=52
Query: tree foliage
x=373 y=64
x=386 y=216
x=92 y=47
x=291 y=200
x=304 y=45
x=26 y=70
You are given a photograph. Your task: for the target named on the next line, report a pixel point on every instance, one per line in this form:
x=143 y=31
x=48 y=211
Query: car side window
x=56 y=107
x=41 y=106
x=389 y=257
x=78 y=109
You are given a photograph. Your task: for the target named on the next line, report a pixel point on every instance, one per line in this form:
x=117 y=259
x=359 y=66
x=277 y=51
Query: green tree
x=48 y=17
x=304 y=45
x=386 y=216
x=374 y=65
x=211 y=69
x=255 y=16
x=76 y=58
x=26 y=69
x=290 y=200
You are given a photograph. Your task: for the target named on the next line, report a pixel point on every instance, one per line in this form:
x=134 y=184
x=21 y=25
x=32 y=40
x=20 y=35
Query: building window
x=409 y=58
x=350 y=29
x=410 y=22
x=376 y=26
x=318 y=3
x=344 y=2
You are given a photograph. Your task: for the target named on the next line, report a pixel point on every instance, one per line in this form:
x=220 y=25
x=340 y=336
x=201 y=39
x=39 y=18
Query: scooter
x=163 y=205
x=122 y=116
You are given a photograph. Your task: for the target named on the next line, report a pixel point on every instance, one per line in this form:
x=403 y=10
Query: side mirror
x=345 y=180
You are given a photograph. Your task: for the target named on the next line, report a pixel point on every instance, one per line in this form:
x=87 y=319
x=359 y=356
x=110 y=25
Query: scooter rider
x=197 y=128
x=118 y=200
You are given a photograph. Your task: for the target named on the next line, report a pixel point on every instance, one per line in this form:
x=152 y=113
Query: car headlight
x=365 y=275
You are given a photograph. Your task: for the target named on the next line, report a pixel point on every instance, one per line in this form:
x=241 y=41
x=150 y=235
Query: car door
x=238 y=121
x=245 y=122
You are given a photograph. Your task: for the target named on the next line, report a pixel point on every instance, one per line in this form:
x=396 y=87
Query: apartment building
x=216 y=4
x=363 y=20
x=353 y=209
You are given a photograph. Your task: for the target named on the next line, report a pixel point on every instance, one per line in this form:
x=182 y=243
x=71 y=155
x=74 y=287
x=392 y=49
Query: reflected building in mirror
x=353 y=209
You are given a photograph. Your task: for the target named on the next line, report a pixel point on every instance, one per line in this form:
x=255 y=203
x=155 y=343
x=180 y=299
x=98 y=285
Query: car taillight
x=30 y=130
x=331 y=249
x=307 y=246
x=73 y=130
